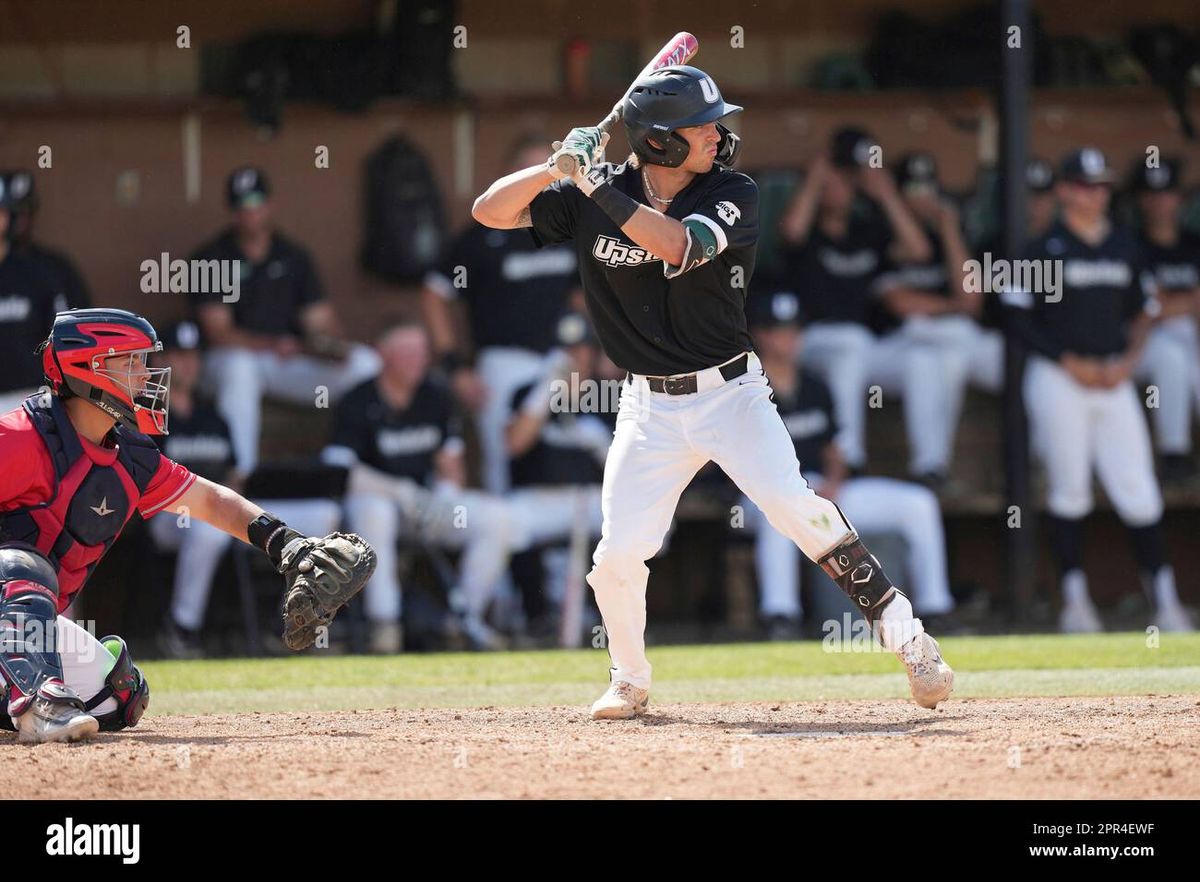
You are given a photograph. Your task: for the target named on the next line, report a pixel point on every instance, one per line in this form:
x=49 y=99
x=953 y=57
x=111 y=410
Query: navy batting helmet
x=673 y=98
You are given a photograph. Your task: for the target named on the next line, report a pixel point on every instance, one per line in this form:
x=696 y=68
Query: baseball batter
x=666 y=244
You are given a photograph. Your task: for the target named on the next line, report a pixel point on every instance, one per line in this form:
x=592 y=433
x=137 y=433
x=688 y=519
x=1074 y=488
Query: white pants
x=85 y=662
x=874 y=505
x=484 y=527
x=201 y=546
x=1075 y=429
x=503 y=370
x=661 y=441
x=1171 y=361
x=851 y=359
x=239 y=378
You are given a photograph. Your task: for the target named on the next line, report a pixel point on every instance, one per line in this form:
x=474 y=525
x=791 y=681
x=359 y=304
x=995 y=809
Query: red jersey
x=71 y=498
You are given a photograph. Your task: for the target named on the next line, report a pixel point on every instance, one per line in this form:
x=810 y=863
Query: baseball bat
x=680 y=49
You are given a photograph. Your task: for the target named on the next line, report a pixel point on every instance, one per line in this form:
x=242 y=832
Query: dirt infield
x=1135 y=747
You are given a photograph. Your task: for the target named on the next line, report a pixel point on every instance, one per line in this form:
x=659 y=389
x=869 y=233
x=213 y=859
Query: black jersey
x=808 y=415
x=836 y=278
x=564 y=452
x=29 y=298
x=273 y=293
x=200 y=441
x=402 y=443
x=1175 y=267
x=67 y=280
x=515 y=292
x=928 y=277
x=651 y=318
x=1104 y=287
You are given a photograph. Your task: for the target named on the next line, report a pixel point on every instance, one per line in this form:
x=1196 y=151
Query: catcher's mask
x=100 y=355
x=673 y=98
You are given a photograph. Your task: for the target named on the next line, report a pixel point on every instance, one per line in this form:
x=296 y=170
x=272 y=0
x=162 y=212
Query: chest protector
x=90 y=503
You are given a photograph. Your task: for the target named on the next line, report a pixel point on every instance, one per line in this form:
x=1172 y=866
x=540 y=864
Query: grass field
x=986 y=667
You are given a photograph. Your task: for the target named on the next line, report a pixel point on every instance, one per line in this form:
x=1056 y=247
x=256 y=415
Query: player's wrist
x=612 y=201
x=271 y=535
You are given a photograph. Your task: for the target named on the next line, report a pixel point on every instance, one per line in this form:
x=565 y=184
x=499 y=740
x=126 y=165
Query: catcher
x=75 y=464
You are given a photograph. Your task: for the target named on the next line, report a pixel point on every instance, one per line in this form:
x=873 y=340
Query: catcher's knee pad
x=126 y=684
x=858 y=573
x=28 y=609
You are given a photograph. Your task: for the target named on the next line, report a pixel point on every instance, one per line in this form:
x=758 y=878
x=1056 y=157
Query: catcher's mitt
x=321 y=576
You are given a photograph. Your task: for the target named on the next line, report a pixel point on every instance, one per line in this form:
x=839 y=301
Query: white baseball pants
x=1076 y=429
x=660 y=442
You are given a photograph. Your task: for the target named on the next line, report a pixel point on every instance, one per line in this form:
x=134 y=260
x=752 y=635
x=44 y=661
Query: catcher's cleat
x=55 y=713
x=930 y=678
x=622 y=701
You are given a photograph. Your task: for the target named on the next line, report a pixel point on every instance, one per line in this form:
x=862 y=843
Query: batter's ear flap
x=728 y=147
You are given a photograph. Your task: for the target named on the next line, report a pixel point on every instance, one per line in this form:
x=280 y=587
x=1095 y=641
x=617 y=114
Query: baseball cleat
x=622 y=701
x=1173 y=617
x=55 y=713
x=930 y=678
x=1079 y=617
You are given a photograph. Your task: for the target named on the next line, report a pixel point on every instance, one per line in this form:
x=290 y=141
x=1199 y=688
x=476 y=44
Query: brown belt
x=687 y=384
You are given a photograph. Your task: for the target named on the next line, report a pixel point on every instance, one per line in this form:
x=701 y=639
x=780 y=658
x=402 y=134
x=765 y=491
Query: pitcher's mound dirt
x=1123 y=747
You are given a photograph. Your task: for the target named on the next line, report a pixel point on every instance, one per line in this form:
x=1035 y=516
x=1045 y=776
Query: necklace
x=650 y=190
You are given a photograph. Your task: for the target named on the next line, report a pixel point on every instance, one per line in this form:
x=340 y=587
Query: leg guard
x=28 y=608
x=859 y=574
x=125 y=683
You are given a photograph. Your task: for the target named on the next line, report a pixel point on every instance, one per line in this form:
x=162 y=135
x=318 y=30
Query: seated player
x=200 y=442
x=281 y=337
x=399 y=436
x=873 y=504
x=76 y=463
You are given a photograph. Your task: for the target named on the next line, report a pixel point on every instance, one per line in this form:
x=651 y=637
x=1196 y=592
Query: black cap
x=774 y=306
x=851 y=148
x=1087 y=165
x=181 y=335
x=573 y=329
x=246 y=187
x=1039 y=175
x=1164 y=176
x=917 y=169
x=18 y=188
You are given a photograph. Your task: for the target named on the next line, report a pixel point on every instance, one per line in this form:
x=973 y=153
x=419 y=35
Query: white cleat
x=622 y=701
x=930 y=678
x=55 y=713
x=1173 y=617
x=1079 y=617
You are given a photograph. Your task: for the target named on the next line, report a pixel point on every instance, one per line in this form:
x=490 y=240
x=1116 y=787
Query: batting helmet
x=673 y=98
x=100 y=355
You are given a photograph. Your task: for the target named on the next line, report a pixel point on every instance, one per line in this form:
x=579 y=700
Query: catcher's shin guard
x=126 y=684
x=28 y=609
x=859 y=574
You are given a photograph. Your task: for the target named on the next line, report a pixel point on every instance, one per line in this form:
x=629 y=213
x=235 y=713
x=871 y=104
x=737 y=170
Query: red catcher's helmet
x=100 y=355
